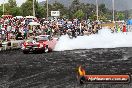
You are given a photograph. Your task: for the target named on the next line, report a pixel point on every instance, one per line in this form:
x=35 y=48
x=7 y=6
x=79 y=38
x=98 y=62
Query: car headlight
x=41 y=45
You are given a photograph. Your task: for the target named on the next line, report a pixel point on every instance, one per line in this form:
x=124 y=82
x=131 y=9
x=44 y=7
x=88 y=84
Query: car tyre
x=46 y=50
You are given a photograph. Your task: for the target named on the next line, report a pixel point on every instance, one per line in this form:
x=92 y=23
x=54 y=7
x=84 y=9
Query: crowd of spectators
x=20 y=28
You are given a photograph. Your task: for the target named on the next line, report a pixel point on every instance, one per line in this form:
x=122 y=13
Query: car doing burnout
x=40 y=44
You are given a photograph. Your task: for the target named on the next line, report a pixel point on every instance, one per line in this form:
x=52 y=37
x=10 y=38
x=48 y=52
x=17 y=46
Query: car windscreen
x=42 y=39
x=29 y=41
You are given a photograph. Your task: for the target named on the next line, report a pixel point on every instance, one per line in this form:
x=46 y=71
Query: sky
x=19 y=2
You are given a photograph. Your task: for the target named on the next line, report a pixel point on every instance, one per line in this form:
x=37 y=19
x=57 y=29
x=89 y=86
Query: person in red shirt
x=124 y=29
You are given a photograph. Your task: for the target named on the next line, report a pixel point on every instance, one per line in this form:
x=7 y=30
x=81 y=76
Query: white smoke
x=104 y=39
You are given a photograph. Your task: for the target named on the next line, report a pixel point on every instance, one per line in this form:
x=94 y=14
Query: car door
x=52 y=43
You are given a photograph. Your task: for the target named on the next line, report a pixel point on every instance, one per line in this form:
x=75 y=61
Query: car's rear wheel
x=46 y=50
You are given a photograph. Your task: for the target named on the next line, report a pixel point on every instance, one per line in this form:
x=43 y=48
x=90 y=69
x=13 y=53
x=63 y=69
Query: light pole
x=113 y=5
x=3 y=7
x=97 y=10
x=47 y=9
x=33 y=9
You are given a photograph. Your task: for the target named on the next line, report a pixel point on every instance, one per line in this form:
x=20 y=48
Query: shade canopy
x=34 y=23
x=30 y=17
x=19 y=17
x=129 y=22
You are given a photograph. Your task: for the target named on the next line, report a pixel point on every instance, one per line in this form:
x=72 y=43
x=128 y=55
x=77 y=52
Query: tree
x=12 y=8
x=27 y=8
x=102 y=12
x=59 y=7
x=7 y=9
x=45 y=9
x=102 y=8
x=1 y=10
x=16 y=11
x=75 y=5
x=12 y=3
x=79 y=14
x=37 y=9
x=91 y=11
x=120 y=16
x=41 y=12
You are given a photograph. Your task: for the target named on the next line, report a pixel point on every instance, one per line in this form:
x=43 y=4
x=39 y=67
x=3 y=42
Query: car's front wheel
x=46 y=50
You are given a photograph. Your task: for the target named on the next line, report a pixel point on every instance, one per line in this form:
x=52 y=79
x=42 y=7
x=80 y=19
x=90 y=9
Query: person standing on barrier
x=118 y=29
x=0 y=44
x=124 y=28
x=25 y=32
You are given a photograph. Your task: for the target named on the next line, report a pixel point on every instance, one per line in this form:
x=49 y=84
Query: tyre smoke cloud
x=104 y=39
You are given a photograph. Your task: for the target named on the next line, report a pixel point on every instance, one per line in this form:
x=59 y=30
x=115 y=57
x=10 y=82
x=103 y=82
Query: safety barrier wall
x=11 y=45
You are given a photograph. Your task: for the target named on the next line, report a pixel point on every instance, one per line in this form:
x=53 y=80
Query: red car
x=42 y=43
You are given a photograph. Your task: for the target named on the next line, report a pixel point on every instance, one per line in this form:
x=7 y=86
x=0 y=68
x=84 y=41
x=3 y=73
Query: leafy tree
x=16 y=11
x=79 y=14
x=93 y=17
x=45 y=9
x=37 y=10
x=75 y=6
x=27 y=8
x=76 y=9
x=12 y=3
x=1 y=10
x=102 y=12
x=59 y=7
x=120 y=16
x=12 y=8
x=91 y=11
x=7 y=9
x=41 y=12
x=102 y=8
x=126 y=13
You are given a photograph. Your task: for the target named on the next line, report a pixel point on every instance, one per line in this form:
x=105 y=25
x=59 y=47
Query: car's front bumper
x=33 y=49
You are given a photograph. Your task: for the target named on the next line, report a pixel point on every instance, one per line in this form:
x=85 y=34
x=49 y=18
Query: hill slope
x=119 y=4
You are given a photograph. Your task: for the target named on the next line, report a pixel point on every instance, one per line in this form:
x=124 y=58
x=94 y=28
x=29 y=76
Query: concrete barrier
x=16 y=44
x=4 y=45
x=9 y=45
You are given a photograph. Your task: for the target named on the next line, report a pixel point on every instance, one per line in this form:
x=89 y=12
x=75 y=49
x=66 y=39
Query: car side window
x=49 y=37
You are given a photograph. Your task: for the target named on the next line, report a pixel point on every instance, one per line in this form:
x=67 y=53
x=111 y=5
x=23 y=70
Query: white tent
x=19 y=17
x=34 y=23
x=30 y=17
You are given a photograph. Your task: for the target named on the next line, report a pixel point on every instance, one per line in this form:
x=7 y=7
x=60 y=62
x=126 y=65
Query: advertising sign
x=55 y=13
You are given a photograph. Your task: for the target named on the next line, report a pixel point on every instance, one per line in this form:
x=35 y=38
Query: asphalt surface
x=59 y=69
